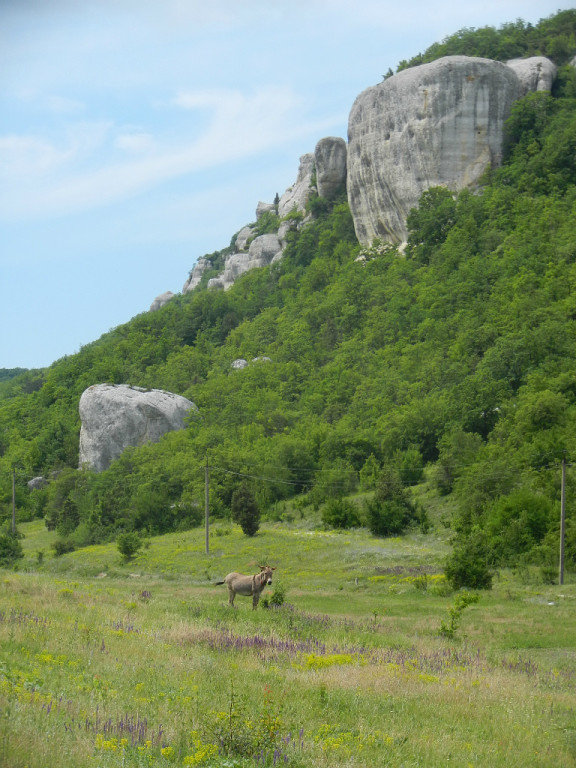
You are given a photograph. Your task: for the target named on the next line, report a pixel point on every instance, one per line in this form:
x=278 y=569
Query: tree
x=391 y=511
x=10 y=550
x=467 y=566
x=245 y=511
x=128 y=544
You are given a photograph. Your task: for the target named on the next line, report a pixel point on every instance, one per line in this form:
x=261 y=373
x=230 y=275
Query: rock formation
x=262 y=251
x=37 y=483
x=244 y=236
x=439 y=124
x=117 y=416
x=296 y=196
x=159 y=301
x=535 y=74
x=195 y=274
x=263 y=208
x=330 y=161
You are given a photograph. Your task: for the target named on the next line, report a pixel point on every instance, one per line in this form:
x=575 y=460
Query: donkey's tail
x=220 y=582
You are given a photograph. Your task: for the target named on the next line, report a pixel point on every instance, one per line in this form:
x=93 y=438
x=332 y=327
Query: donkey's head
x=266 y=571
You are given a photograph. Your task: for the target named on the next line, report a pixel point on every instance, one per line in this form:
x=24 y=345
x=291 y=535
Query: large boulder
x=536 y=73
x=439 y=124
x=330 y=160
x=115 y=416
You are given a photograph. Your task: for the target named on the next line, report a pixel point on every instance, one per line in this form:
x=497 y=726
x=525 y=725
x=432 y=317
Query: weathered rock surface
x=263 y=208
x=439 y=124
x=37 y=483
x=161 y=300
x=535 y=74
x=245 y=234
x=262 y=251
x=117 y=416
x=330 y=161
x=195 y=275
x=238 y=364
x=297 y=195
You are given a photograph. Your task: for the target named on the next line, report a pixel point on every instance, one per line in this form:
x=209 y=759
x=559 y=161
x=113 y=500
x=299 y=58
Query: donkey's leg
x=255 y=600
x=231 y=596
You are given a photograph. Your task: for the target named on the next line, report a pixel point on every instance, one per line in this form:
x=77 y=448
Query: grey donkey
x=238 y=584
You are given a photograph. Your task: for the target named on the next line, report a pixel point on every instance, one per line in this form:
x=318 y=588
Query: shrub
x=410 y=466
x=340 y=513
x=62 y=546
x=462 y=601
x=245 y=511
x=277 y=598
x=10 y=550
x=128 y=544
x=391 y=511
x=467 y=566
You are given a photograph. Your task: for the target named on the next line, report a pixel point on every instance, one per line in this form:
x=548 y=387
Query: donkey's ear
x=262 y=567
x=273 y=569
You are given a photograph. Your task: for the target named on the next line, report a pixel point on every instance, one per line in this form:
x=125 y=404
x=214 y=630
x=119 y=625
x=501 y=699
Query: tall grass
x=106 y=664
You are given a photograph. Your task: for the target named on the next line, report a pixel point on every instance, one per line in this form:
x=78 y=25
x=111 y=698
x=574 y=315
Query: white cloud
x=135 y=143
x=44 y=181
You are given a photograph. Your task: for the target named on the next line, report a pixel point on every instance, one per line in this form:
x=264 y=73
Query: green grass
x=351 y=671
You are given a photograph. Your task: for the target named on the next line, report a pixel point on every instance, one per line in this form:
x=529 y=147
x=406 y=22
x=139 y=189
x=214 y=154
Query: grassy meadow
x=105 y=663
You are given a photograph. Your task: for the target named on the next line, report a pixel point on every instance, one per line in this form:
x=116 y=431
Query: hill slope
x=458 y=355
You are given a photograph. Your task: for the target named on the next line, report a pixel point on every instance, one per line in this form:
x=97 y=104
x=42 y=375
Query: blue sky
x=135 y=136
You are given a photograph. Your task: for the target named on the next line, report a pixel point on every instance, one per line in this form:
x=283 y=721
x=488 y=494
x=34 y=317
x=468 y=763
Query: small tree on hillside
x=391 y=510
x=128 y=544
x=245 y=510
x=10 y=550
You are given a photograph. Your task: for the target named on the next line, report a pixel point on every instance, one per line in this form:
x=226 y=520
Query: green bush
x=340 y=513
x=468 y=564
x=10 y=550
x=62 y=546
x=128 y=544
x=391 y=510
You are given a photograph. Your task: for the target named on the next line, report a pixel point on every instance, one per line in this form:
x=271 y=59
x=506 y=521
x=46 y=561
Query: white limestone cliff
x=439 y=124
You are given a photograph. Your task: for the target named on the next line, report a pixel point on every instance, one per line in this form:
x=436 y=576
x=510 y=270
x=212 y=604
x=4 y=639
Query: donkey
x=248 y=585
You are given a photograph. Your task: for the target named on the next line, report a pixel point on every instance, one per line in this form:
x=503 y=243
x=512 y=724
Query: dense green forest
x=453 y=362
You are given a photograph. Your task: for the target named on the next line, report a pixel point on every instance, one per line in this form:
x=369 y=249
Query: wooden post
x=207 y=504
x=13 y=501
x=562 y=520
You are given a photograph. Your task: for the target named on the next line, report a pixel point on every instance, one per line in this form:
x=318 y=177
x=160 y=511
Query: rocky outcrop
x=161 y=300
x=117 y=416
x=244 y=236
x=240 y=363
x=439 y=124
x=37 y=483
x=535 y=74
x=263 y=208
x=330 y=161
x=195 y=275
x=296 y=196
x=262 y=251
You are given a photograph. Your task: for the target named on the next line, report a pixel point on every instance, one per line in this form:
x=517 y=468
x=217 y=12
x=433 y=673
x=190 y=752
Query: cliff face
x=440 y=124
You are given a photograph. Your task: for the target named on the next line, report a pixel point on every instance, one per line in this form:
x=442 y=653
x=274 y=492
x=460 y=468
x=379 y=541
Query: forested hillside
x=454 y=361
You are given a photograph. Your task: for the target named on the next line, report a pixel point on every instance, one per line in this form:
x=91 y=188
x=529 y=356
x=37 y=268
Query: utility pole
x=562 y=519
x=13 y=501
x=207 y=504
